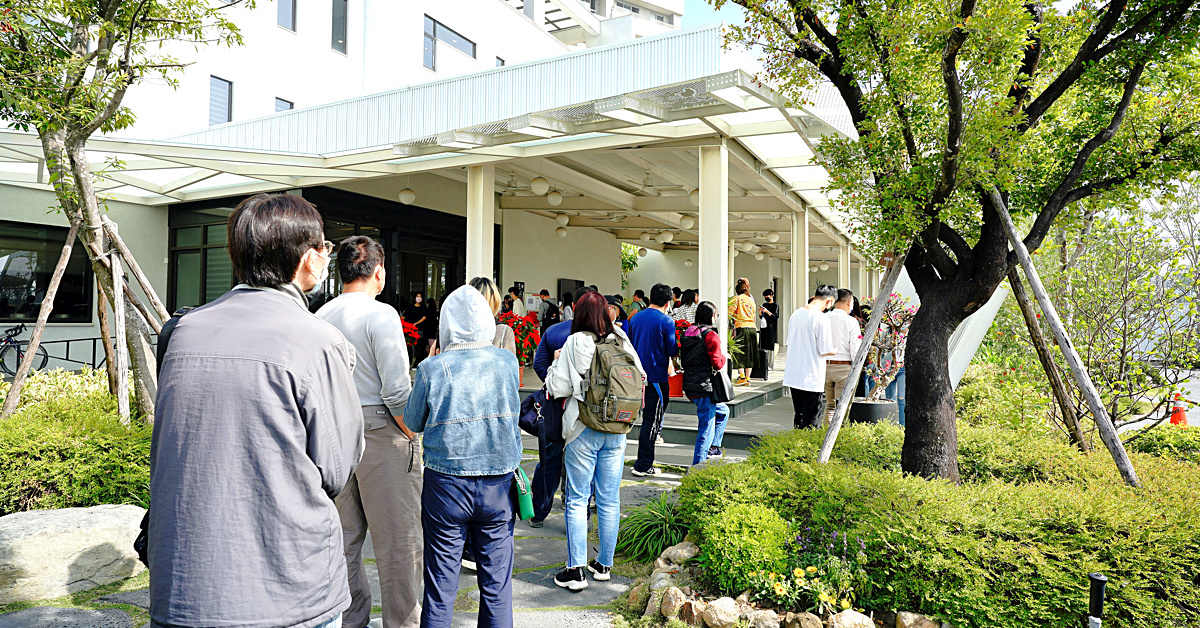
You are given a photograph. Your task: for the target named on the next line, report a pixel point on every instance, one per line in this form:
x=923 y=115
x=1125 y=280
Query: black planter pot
x=864 y=412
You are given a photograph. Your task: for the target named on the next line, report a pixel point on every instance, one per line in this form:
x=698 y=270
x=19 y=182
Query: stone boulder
x=721 y=613
x=660 y=580
x=851 y=619
x=46 y=554
x=692 y=613
x=905 y=619
x=672 y=601
x=764 y=619
x=681 y=553
x=801 y=620
x=638 y=596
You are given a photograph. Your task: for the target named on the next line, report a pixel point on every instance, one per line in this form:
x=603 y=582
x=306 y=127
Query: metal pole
x=1096 y=604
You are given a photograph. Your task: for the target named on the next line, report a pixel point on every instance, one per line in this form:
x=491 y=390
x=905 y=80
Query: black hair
x=582 y=291
x=568 y=299
x=705 y=312
x=639 y=294
x=544 y=292
x=742 y=286
x=594 y=288
x=676 y=292
x=844 y=295
x=513 y=291
x=857 y=311
x=689 y=296
x=826 y=291
x=268 y=235
x=768 y=292
x=660 y=294
x=357 y=258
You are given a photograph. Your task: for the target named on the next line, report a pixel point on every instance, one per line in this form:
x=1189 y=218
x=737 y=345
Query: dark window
x=200 y=267
x=28 y=255
x=284 y=105
x=339 y=25
x=220 y=100
x=287 y=14
x=499 y=62
x=435 y=31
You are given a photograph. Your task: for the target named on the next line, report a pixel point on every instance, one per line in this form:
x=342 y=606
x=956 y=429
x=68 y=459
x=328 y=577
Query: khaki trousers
x=835 y=381
x=384 y=495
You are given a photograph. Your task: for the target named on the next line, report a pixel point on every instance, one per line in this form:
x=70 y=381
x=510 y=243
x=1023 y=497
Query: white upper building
x=304 y=53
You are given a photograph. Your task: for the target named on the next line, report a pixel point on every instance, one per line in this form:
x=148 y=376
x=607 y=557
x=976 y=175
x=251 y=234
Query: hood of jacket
x=465 y=317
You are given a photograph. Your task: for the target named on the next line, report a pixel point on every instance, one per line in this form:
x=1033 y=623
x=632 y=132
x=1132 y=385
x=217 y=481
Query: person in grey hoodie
x=385 y=492
x=258 y=428
x=465 y=400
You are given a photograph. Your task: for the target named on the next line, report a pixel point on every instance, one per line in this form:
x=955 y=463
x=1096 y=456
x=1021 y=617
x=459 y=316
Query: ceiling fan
x=648 y=186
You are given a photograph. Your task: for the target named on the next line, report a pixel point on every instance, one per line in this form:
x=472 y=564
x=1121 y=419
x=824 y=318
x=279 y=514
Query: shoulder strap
x=164 y=336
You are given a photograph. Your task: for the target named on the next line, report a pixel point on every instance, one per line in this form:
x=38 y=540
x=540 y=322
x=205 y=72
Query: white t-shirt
x=847 y=335
x=809 y=341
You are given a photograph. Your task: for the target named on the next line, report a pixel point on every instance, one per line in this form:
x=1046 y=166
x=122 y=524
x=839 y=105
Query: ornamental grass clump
x=649 y=529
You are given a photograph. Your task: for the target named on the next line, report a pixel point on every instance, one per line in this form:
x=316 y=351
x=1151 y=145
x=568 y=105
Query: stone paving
x=540 y=553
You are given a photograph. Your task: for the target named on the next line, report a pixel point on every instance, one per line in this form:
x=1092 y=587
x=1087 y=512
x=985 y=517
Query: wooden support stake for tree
x=122 y=347
x=133 y=297
x=1108 y=432
x=110 y=229
x=35 y=337
x=110 y=358
x=1058 y=387
x=860 y=359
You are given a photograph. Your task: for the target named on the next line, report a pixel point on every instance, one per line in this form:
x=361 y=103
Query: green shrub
x=1170 y=441
x=1012 y=397
x=649 y=529
x=742 y=539
x=1009 y=547
x=710 y=490
x=65 y=446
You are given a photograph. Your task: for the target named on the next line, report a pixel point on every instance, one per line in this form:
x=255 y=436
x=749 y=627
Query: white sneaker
x=659 y=440
x=652 y=471
x=469 y=564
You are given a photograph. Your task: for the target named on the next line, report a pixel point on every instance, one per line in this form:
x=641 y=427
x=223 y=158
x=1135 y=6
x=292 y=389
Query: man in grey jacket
x=258 y=429
x=384 y=494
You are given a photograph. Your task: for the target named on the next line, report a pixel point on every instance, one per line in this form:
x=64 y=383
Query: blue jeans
x=710 y=432
x=594 y=462
x=894 y=391
x=453 y=510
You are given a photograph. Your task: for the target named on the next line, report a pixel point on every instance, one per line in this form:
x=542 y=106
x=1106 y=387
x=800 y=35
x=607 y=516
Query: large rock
x=638 y=596
x=47 y=554
x=851 y=619
x=721 y=613
x=660 y=580
x=801 y=620
x=681 y=553
x=672 y=601
x=764 y=619
x=692 y=613
x=905 y=619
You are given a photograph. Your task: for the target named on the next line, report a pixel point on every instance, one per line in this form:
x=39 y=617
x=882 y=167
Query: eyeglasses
x=326 y=247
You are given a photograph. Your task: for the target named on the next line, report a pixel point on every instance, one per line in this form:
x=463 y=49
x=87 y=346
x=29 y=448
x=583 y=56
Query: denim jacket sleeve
x=416 y=412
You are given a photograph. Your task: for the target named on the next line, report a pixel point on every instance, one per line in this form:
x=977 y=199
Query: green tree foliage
x=962 y=106
x=629 y=262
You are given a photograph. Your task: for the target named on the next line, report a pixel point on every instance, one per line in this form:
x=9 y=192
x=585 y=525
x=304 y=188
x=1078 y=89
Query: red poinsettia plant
x=525 y=329
x=681 y=326
x=411 y=334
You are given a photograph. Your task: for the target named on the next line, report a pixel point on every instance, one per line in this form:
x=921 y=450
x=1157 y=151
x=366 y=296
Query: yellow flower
x=779 y=588
x=845 y=604
x=824 y=597
x=774 y=575
x=798 y=573
x=800 y=582
x=812 y=570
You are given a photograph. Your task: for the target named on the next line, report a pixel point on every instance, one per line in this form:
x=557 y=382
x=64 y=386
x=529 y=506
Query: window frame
x=290 y=105
x=433 y=34
x=291 y=26
x=212 y=80
x=174 y=250
x=87 y=280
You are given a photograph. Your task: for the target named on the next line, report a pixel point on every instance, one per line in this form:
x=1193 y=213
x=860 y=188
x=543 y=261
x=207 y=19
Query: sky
x=700 y=12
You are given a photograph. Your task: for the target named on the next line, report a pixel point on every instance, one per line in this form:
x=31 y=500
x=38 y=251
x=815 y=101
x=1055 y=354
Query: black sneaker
x=599 y=572
x=714 y=452
x=535 y=523
x=572 y=579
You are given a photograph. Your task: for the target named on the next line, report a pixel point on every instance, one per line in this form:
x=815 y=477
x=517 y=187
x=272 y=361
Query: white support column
x=481 y=220
x=864 y=280
x=800 y=264
x=715 y=256
x=844 y=265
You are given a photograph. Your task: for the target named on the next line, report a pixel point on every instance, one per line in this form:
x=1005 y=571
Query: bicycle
x=12 y=351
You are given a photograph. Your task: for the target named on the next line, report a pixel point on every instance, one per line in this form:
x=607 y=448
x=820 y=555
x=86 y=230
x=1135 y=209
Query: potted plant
x=675 y=382
x=411 y=335
x=886 y=358
x=525 y=330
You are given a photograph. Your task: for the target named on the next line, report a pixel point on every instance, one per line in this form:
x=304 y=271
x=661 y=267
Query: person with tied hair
x=258 y=428
x=700 y=353
x=504 y=338
x=384 y=494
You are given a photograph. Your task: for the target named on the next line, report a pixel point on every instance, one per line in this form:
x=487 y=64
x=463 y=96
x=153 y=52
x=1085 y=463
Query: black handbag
x=541 y=416
x=722 y=388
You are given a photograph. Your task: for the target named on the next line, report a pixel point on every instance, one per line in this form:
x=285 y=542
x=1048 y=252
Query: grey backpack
x=613 y=400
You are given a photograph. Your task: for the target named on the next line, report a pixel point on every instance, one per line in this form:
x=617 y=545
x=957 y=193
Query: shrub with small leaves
x=742 y=539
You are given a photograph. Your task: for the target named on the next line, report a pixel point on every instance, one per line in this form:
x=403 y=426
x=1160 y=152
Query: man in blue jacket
x=652 y=334
x=548 y=473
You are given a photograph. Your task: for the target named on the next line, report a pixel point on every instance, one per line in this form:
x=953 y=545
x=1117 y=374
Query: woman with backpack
x=700 y=353
x=600 y=371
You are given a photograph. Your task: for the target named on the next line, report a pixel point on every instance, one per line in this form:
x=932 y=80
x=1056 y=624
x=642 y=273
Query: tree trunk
x=35 y=337
x=1058 y=387
x=142 y=363
x=110 y=355
x=930 y=432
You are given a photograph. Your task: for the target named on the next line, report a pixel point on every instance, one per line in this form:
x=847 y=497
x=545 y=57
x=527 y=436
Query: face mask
x=321 y=277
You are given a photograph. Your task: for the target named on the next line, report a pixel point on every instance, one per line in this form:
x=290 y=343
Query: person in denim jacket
x=465 y=401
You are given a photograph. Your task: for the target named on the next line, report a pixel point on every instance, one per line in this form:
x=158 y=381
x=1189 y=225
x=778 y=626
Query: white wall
x=665 y=267
x=384 y=51
x=144 y=230
x=534 y=255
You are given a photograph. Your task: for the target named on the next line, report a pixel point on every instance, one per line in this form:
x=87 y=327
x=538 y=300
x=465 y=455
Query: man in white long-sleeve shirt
x=385 y=492
x=847 y=336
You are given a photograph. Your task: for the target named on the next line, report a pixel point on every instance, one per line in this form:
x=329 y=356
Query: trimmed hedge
x=1170 y=441
x=65 y=447
x=1011 y=546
